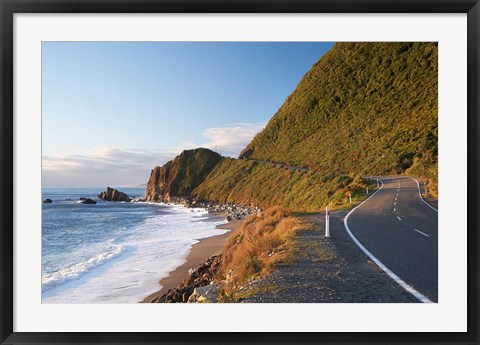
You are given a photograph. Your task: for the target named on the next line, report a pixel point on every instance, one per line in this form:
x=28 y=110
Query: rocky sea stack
x=114 y=195
x=180 y=176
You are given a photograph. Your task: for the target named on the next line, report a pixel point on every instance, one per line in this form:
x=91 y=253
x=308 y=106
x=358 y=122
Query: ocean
x=114 y=252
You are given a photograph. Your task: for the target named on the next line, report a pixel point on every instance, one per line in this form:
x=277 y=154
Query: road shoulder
x=327 y=270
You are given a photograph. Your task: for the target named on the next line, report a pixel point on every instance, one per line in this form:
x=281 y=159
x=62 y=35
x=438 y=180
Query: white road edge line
x=392 y=275
x=399 y=218
x=421 y=232
x=420 y=193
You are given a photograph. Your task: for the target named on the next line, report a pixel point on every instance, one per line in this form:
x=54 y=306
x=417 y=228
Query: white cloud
x=102 y=167
x=231 y=140
x=131 y=167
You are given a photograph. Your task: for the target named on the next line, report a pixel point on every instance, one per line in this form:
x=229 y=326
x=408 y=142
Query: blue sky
x=113 y=110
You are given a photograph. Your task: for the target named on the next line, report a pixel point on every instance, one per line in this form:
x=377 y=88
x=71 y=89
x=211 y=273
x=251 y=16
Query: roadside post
x=367 y=190
x=378 y=184
x=327 y=222
x=350 y=197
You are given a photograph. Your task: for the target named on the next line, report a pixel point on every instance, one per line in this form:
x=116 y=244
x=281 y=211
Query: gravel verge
x=327 y=270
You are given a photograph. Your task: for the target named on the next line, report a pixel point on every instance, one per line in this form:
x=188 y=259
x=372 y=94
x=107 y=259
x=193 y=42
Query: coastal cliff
x=180 y=176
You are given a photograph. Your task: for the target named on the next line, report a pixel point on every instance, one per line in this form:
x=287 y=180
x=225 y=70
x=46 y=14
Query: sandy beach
x=199 y=253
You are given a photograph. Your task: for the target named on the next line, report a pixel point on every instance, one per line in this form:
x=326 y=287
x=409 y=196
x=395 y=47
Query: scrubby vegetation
x=364 y=108
x=259 y=243
x=267 y=185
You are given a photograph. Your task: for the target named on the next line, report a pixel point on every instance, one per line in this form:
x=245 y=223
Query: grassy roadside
x=259 y=244
x=358 y=192
x=428 y=190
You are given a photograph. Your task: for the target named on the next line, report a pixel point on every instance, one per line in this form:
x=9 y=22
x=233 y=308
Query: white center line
x=420 y=232
x=394 y=203
x=399 y=218
x=394 y=209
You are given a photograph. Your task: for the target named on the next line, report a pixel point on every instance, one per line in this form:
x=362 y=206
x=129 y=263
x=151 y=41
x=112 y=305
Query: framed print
x=239 y=172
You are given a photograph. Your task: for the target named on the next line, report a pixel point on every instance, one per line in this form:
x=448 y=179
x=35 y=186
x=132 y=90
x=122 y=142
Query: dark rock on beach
x=47 y=201
x=114 y=195
x=198 y=287
x=88 y=201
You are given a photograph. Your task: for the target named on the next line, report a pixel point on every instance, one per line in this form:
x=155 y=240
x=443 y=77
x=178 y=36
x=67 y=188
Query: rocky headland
x=180 y=176
x=175 y=182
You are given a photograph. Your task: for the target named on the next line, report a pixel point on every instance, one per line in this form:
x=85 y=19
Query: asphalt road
x=401 y=231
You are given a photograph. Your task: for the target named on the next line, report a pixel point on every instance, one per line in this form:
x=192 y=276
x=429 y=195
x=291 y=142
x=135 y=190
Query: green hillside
x=363 y=108
x=249 y=182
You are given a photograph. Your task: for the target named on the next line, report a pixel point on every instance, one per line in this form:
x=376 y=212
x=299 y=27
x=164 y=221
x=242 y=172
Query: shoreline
x=198 y=254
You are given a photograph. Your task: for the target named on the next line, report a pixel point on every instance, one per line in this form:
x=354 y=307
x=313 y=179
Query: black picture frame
x=10 y=7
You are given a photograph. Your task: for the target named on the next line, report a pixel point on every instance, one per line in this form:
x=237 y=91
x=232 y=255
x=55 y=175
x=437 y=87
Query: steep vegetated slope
x=363 y=108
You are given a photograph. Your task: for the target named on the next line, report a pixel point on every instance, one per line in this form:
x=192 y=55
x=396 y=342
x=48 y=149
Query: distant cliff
x=178 y=177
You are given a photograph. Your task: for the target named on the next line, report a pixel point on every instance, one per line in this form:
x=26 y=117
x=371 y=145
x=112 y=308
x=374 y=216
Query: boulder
x=88 y=201
x=47 y=201
x=111 y=194
x=204 y=294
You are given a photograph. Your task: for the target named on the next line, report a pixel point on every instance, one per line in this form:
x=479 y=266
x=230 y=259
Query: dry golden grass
x=258 y=244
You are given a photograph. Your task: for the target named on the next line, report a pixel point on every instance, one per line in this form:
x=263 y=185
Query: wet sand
x=199 y=253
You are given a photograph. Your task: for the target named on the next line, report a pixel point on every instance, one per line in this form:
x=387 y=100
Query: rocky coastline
x=230 y=209
x=198 y=287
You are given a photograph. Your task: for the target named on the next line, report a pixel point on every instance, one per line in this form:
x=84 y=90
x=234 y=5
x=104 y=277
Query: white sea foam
x=74 y=271
x=150 y=250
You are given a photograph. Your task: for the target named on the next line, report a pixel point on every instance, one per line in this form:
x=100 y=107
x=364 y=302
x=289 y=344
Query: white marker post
x=367 y=190
x=350 y=197
x=378 y=184
x=327 y=222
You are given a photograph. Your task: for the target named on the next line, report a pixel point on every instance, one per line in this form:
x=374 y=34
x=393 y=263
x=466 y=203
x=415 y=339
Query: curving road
x=398 y=229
